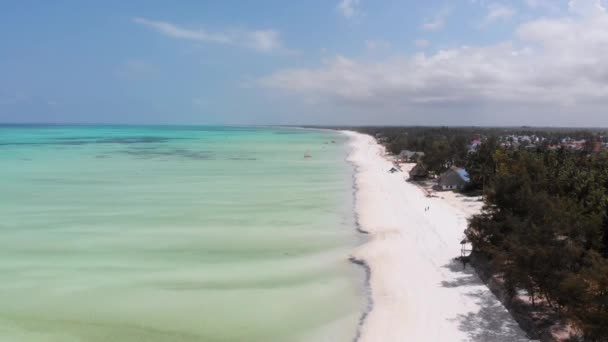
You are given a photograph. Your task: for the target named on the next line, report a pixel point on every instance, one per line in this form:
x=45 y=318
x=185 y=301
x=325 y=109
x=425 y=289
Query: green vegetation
x=443 y=147
x=544 y=226
x=545 y=229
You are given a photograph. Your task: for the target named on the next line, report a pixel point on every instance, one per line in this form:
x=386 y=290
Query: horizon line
x=293 y=125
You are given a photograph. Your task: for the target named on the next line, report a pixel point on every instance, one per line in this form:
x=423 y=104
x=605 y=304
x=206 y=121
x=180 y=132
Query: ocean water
x=176 y=234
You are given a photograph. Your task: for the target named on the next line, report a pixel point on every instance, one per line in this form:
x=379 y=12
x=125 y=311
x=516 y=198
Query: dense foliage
x=443 y=147
x=449 y=146
x=544 y=226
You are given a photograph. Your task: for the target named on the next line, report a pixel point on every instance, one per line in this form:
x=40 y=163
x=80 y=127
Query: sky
x=323 y=62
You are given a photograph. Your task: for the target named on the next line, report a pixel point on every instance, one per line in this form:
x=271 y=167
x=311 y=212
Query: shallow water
x=176 y=234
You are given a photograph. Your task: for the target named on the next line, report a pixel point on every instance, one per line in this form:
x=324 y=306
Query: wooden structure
x=419 y=172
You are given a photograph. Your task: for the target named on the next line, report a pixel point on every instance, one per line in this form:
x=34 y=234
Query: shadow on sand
x=492 y=322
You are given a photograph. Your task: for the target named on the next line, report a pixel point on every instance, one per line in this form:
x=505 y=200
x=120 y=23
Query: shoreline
x=354 y=260
x=416 y=291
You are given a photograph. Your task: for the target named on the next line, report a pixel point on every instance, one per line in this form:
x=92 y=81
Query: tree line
x=544 y=225
x=443 y=147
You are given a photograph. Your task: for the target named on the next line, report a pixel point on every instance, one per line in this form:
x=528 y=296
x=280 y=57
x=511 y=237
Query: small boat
x=307 y=155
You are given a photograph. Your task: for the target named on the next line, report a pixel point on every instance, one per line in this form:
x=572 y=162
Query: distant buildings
x=534 y=142
x=514 y=141
x=572 y=144
x=474 y=145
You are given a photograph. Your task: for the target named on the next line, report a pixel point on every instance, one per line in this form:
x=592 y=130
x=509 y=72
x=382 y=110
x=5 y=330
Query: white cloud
x=438 y=21
x=260 y=40
x=549 y=66
x=175 y=31
x=586 y=7
x=497 y=12
x=348 y=8
x=264 y=40
x=422 y=43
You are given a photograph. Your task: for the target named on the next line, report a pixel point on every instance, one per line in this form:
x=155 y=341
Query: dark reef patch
x=148 y=153
x=90 y=140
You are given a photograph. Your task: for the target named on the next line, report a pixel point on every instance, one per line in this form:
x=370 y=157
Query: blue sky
x=538 y=62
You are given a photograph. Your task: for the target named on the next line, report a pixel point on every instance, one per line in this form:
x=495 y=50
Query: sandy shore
x=418 y=292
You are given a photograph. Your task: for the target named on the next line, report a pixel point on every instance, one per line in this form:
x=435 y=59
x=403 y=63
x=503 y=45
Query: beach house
x=454 y=179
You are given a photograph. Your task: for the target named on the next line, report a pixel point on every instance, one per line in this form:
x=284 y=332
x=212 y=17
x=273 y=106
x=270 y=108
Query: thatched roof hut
x=419 y=172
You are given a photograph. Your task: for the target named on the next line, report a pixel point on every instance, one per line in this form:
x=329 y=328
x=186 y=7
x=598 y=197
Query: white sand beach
x=418 y=292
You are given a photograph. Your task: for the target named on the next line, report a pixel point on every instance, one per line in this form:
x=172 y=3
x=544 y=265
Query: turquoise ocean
x=125 y=233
